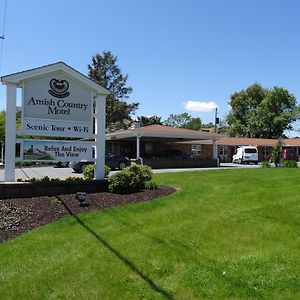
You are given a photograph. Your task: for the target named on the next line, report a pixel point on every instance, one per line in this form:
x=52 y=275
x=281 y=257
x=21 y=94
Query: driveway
x=50 y=171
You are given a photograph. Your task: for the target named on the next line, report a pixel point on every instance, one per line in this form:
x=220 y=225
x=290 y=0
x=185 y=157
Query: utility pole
x=217 y=120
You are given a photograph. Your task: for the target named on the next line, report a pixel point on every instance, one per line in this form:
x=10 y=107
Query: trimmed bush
x=130 y=180
x=45 y=178
x=73 y=178
x=124 y=182
x=289 y=164
x=106 y=170
x=89 y=172
x=144 y=172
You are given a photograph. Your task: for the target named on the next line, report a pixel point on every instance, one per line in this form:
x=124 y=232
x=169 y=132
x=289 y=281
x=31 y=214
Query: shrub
x=45 y=178
x=151 y=185
x=124 y=182
x=276 y=152
x=106 y=170
x=265 y=164
x=289 y=164
x=144 y=172
x=130 y=180
x=74 y=178
x=89 y=172
x=55 y=179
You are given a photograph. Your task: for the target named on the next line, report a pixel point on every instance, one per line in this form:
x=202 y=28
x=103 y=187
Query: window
x=266 y=152
x=148 y=147
x=249 y=150
x=223 y=150
x=197 y=150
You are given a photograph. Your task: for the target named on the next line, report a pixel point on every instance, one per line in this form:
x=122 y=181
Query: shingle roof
x=246 y=141
x=169 y=129
x=162 y=131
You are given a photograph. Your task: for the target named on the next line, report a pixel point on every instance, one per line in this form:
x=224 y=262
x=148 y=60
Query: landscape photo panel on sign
x=46 y=150
x=56 y=105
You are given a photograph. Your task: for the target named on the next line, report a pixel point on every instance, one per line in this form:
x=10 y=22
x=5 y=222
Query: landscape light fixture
x=80 y=196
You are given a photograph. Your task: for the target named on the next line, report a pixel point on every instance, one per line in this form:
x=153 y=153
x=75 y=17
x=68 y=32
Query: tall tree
x=177 y=120
x=193 y=124
x=146 y=121
x=261 y=113
x=183 y=120
x=105 y=71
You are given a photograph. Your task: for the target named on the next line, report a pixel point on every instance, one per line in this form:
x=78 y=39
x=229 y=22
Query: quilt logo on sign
x=59 y=88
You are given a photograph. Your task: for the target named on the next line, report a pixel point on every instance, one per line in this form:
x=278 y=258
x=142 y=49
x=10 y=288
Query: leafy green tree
x=2 y=124
x=177 y=120
x=105 y=71
x=259 y=112
x=193 y=124
x=208 y=125
x=146 y=121
x=276 y=151
x=183 y=120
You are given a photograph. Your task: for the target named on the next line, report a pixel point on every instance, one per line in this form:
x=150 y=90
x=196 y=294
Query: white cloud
x=200 y=106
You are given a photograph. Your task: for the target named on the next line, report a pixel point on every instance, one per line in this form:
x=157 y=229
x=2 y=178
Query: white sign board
x=56 y=105
x=43 y=150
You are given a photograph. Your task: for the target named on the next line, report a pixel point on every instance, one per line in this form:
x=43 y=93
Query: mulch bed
x=24 y=214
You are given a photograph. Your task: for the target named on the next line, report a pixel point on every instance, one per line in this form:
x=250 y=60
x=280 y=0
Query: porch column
x=10 y=131
x=100 y=136
x=215 y=150
x=138 y=154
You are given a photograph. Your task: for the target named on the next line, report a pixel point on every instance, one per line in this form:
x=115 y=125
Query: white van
x=246 y=154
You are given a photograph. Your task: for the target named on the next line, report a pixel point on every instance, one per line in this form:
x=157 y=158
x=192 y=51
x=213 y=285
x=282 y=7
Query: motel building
x=162 y=146
x=150 y=143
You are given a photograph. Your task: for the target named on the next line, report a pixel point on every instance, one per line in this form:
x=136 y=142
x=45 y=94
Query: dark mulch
x=29 y=213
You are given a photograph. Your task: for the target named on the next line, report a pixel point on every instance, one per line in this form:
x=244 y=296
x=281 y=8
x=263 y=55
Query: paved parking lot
x=52 y=172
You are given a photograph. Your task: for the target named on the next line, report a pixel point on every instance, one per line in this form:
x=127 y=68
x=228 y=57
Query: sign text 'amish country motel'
x=56 y=105
x=57 y=101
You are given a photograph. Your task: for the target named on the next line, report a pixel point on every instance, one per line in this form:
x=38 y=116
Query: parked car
x=289 y=154
x=62 y=164
x=246 y=154
x=112 y=160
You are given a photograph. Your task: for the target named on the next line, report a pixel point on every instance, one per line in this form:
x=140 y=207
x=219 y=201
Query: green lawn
x=225 y=234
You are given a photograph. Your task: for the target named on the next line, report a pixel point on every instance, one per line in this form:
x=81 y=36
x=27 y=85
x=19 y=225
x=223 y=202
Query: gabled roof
x=19 y=77
x=162 y=131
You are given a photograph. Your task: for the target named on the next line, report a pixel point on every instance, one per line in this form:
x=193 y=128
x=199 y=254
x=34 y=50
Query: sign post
x=10 y=132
